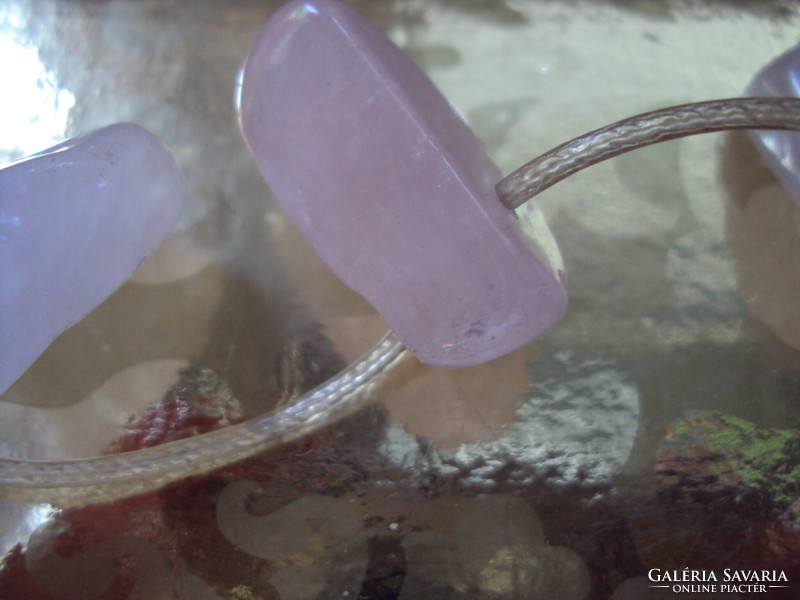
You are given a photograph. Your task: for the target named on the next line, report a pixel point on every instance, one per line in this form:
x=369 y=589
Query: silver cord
x=643 y=130
x=105 y=478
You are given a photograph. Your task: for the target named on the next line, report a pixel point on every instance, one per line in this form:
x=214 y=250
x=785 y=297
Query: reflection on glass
x=33 y=109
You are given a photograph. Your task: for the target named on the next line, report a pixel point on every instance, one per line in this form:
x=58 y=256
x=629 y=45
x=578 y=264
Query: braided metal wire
x=643 y=130
x=105 y=478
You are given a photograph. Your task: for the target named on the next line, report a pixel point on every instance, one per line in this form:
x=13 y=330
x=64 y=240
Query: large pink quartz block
x=780 y=149
x=391 y=187
x=75 y=222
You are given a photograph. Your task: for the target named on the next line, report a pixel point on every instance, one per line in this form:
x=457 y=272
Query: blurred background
x=655 y=428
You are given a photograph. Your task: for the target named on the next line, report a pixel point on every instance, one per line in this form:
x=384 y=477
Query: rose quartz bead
x=780 y=149
x=390 y=186
x=75 y=222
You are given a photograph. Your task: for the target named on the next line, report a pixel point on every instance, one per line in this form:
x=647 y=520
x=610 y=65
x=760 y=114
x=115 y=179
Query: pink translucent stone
x=75 y=222
x=391 y=187
x=780 y=149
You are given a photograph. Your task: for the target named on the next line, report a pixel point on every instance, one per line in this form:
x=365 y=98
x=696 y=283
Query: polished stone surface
x=781 y=149
x=76 y=221
x=594 y=454
x=391 y=187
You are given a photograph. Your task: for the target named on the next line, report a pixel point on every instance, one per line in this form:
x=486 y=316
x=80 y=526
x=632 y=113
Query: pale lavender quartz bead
x=392 y=188
x=780 y=149
x=75 y=222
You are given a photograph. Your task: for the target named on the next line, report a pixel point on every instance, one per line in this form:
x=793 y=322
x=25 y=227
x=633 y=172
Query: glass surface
x=655 y=428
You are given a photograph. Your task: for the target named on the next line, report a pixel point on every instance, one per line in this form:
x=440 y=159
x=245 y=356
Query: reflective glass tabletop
x=648 y=446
